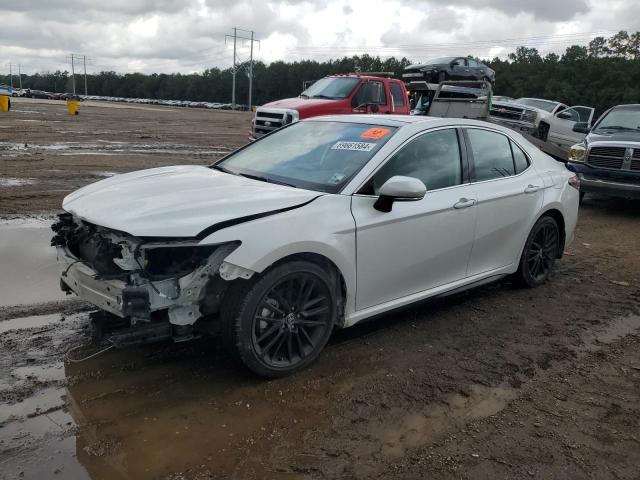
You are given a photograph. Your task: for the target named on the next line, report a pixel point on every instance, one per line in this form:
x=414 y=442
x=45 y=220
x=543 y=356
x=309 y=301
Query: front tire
x=539 y=253
x=279 y=324
x=543 y=131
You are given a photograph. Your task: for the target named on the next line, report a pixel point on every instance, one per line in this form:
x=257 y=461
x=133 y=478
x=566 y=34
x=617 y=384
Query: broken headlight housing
x=577 y=153
x=174 y=261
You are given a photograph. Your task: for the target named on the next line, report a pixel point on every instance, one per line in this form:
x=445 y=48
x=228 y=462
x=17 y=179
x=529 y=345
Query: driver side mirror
x=581 y=127
x=399 y=189
x=564 y=115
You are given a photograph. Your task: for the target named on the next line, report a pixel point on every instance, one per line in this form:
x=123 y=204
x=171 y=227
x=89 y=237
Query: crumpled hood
x=178 y=201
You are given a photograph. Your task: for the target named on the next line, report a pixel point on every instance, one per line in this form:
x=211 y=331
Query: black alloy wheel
x=540 y=252
x=291 y=320
x=284 y=320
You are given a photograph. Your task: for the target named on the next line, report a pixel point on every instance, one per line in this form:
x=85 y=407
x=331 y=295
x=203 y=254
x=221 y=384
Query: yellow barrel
x=4 y=103
x=72 y=107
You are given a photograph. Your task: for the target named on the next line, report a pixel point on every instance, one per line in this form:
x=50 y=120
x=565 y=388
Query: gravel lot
x=498 y=382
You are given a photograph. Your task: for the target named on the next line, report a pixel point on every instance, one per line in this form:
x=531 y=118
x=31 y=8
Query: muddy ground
x=498 y=382
x=45 y=153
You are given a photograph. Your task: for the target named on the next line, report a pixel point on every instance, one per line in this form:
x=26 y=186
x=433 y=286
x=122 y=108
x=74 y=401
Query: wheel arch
x=559 y=219
x=329 y=266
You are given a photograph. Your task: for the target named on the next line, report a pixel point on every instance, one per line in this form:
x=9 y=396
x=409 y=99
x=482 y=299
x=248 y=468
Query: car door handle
x=464 y=203
x=531 y=188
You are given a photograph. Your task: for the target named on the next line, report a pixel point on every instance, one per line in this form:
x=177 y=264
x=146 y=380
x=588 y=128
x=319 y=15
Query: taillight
x=574 y=181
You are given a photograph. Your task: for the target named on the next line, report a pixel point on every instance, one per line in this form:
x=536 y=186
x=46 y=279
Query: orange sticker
x=375 y=133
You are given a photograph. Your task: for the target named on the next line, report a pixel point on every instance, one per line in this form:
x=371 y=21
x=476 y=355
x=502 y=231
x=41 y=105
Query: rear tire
x=539 y=254
x=279 y=323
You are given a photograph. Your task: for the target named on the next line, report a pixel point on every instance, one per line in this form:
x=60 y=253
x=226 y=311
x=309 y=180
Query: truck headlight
x=577 y=153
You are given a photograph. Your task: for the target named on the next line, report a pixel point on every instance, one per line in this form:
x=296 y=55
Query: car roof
x=386 y=120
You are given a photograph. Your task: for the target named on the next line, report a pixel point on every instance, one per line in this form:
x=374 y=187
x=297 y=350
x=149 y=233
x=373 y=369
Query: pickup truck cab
x=607 y=161
x=334 y=95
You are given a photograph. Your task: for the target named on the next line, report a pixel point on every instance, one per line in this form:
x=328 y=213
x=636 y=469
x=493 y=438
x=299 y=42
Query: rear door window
x=492 y=154
x=397 y=93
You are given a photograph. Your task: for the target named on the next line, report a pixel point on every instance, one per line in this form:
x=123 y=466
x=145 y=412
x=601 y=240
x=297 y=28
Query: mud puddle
x=617 y=329
x=15 y=182
x=107 y=147
x=29 y=268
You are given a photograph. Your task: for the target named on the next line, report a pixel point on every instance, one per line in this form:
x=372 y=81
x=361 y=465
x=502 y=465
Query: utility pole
x=84 y=61
x=73 y=76
x=20 y=76
x=233 y=88
x=235 y=67
x=251 y=71
x=11 y=75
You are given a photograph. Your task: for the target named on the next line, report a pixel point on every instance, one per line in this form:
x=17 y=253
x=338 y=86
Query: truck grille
x=514 y=113
x=635 y=159
x=268 y=120
x=606 y=157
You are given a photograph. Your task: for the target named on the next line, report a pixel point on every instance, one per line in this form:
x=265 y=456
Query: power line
x=235 y=37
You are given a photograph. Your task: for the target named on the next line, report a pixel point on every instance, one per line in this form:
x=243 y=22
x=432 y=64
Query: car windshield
x=332 y=87
x=441 y=60
x=321 y=156
x=546 y=105
x=621 y=119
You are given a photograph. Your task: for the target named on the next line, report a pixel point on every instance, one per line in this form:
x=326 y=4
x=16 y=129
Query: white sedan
x=321 y=224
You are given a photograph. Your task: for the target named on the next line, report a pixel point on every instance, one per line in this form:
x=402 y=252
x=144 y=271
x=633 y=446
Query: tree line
x=603 y=73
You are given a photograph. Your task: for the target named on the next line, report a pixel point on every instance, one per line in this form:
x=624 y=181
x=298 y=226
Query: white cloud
x=188 y=35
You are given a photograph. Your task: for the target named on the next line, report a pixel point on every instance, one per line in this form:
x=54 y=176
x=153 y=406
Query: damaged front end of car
x=160 y=287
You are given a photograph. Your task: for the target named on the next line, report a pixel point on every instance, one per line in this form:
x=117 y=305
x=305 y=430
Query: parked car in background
x=36 y=93
x=321 y=224
x=7 y=90
x=548 y=120
x=334 y=95
x=449 y=68
x=608 y=159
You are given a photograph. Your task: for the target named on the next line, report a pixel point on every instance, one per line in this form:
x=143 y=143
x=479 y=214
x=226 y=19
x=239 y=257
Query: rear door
x=509 y=193
x=561 y=125
x=398 y=98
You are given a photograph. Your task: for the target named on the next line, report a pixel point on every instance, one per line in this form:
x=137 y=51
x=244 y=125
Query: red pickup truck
x=334 y=95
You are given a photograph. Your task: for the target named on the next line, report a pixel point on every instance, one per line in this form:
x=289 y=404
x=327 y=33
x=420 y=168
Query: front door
x=421 y=244
x=561 y=125
x=371 y=97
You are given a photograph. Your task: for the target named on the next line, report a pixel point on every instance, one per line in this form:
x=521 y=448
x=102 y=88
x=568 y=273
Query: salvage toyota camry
x=321 y=224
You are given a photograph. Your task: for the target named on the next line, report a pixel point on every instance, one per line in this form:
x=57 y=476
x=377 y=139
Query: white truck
x=549 y=122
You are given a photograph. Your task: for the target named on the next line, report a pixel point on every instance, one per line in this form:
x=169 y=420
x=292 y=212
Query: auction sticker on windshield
x=375 y=133
x=354 y=146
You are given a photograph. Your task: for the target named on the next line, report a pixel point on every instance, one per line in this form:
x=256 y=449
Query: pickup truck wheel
x=543 y=131
x=282 y=321
x=539 y=253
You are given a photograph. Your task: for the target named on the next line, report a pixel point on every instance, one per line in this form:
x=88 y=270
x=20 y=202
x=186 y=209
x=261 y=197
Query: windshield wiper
x=303 y=95
x=324 y=96
x=265 y=179
x=224 y=169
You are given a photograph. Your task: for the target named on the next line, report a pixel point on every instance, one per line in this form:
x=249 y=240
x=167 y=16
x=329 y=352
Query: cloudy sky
x=189 y=35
